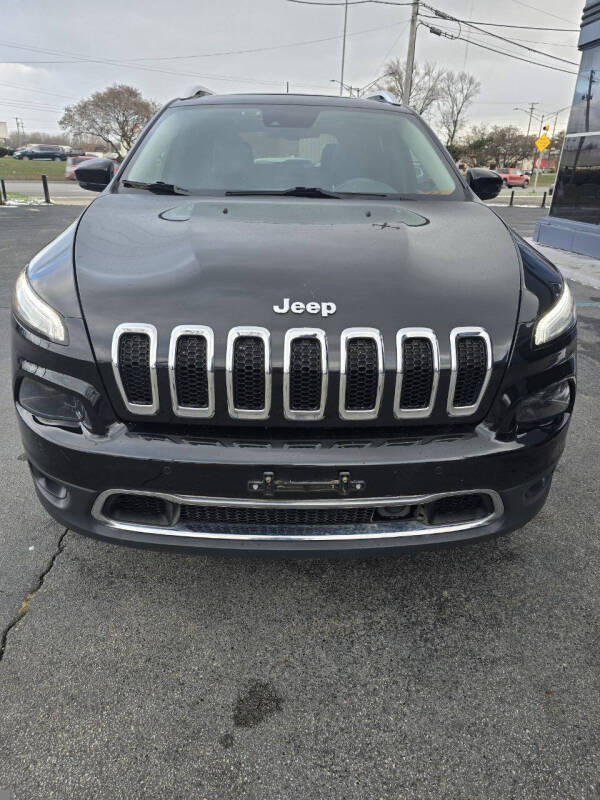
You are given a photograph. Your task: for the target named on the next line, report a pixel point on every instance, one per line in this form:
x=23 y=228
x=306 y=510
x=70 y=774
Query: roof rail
x=382 y=97
x=197 y=91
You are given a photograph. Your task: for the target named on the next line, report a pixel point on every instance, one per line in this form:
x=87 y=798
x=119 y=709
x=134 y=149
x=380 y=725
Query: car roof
x=291 y=99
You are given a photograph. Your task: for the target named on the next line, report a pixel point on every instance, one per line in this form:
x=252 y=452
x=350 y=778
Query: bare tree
x=457 y=92
x=115 y=116
x=426 y=84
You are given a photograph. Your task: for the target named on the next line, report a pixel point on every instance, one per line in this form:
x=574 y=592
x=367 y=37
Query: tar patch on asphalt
x=259 y=702
x=226 y=741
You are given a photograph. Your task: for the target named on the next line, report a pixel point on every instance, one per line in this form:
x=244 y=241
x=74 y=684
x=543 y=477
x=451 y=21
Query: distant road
x=59 y=190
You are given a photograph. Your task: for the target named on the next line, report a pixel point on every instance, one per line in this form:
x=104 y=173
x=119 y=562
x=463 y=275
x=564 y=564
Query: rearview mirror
x=95 y=174
x=485 y=183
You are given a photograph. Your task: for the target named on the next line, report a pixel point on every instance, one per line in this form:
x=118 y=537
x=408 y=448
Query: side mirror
x=96 y=174
x=485 y=183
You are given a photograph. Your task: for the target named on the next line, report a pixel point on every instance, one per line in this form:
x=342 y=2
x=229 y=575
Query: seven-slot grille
x=361 y=373
x=305 y=371
x=191 y=371
x=248 y=373
x=418 y=372
x=471 y=353
x=134 y=366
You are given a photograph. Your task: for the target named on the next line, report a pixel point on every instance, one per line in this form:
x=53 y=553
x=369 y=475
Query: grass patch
x=13 y=170
x=545 y=180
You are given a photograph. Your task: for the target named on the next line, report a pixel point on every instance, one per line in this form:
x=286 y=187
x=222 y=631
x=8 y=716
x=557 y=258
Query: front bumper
x=74 y=473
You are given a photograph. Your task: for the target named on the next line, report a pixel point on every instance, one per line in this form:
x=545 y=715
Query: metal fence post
x=45 y=186
x=3 y=190
x=512 y=197
x=544 y=200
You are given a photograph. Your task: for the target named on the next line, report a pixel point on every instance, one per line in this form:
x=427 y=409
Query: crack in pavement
x=60 y=546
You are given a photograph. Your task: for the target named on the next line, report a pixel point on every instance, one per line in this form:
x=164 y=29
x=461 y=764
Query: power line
x=541 y=10
x=440 y=32
x=522 y=27
x=271 y=47
x=37 y=91
x=449 y=17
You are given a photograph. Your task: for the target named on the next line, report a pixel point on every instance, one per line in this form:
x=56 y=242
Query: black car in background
x=47 y=152
x=289 y=324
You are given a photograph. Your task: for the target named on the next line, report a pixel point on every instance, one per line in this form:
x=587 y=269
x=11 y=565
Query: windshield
x=266 y=147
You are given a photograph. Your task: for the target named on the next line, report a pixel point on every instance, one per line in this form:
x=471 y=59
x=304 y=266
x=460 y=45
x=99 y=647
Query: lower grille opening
x=459 y=508
x=138 y=508
x=146 y=510
x=239 y=515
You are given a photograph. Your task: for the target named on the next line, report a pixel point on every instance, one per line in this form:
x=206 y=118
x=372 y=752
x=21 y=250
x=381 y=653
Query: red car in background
x=513 y=177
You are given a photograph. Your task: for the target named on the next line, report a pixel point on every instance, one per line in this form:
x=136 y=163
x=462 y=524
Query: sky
x=49 y=60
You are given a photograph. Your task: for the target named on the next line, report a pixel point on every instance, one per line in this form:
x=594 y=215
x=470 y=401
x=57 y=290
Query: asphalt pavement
x=464 y=674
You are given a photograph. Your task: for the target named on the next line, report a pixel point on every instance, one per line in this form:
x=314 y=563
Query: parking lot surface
x=468 y=673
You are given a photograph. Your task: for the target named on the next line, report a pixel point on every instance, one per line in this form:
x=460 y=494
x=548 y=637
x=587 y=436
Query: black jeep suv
x=289 y=324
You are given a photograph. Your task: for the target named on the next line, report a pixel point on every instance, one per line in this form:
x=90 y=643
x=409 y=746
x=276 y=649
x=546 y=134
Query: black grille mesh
x=305 y=374
x=191 y=379
x=249 y=373
x=362 y=374
x=134 y=367
x=136 y=508
x=417 y=377
x=472 y=366
x=275 y=516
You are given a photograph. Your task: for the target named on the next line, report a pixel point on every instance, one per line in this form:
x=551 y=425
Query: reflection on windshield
x=238 y=148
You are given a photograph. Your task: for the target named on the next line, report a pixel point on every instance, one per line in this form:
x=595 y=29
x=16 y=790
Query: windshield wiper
x=159 y=187
x=296 y=191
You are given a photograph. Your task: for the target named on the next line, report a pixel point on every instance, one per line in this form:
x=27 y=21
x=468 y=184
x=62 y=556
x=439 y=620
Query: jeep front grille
x=134 y=366
x=304 y=373
x=471 y=354
x=361 y=373
x=418 y=370
x=191 y=371
x=249 y=373
x=306 y=377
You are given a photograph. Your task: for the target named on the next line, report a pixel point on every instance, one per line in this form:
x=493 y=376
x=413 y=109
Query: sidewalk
x=574 y=266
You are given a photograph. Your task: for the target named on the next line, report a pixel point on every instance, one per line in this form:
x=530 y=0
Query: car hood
x=143 y=258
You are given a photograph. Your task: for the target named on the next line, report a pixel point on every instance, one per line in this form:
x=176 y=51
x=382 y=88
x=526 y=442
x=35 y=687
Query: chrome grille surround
x=252 y=332
x=402 y=336
x=193 y=330
x=290 y=336
x=150 y=331
x=360 y=333
x=395 y=529
x=455 y=334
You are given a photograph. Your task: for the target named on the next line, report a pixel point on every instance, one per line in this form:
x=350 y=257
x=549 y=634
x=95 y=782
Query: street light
x=349 y=89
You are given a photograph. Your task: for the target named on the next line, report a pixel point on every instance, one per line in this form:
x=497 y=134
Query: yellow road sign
x=542 y=143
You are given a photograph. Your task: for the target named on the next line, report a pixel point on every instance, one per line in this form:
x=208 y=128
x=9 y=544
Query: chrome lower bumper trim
x=392 y=530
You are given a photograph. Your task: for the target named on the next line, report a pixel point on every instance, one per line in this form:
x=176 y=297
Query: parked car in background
x=47 y=152
x=513 y=177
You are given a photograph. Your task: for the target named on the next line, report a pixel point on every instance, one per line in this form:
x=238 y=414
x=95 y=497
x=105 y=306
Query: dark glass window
x=585 y=114
x=577 y=191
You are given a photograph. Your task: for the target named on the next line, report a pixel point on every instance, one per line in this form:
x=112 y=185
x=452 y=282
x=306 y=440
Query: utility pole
x=531 y=109
x=410 y=57
x=344 y=48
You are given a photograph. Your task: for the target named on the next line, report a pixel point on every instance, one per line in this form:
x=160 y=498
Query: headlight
x=556 y=321
x=37 y=314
